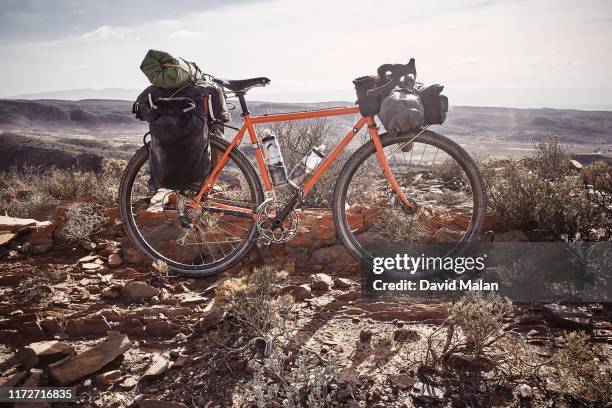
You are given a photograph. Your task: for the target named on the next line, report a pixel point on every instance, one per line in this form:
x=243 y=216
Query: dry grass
x=25 y=191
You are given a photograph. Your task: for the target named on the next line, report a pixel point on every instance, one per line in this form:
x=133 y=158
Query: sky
x=519 y=53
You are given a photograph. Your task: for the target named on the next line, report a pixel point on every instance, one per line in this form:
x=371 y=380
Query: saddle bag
x=435 y=105
x=179 y=151
x=401 y=111
x=368 y=105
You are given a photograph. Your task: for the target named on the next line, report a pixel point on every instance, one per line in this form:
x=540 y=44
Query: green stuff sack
x=166 y=71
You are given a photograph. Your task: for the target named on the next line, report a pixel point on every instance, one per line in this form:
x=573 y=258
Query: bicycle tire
x=365 y=151
x=132 y=169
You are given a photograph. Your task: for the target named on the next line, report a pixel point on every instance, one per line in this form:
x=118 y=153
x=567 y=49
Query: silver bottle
x=274 y=159
x=307 y=165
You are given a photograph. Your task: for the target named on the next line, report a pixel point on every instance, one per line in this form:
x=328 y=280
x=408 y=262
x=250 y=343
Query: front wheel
x=192 y=243
x=434 y=172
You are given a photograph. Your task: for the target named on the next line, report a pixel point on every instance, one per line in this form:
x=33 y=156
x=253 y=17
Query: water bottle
x=274 y=159
x=307 y=165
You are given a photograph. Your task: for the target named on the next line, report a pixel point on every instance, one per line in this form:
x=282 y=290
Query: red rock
x=29 y=332
x=108 y=377
x=114 y=260
x=365 y=335
x=6 y=237
x=138 y=290
x=110 y=293
x=162 y=328
x=75 y=367
x=132 y=255
x=50 y=351
x=41 y=238
x=321 y=282
x=128 y=382
x=12 y=380
x=211 y=315
x=299 y=293
x=159 y=365
x=87 y=327
x=33 y=381
x=349 y=296
x=567 y=316
x=344 y=283
x=14 y=224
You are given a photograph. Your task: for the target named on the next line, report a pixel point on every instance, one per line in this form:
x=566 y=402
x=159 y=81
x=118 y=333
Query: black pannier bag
x=401 y=111
x=368 y=105
x=434 y=103
x=179 y=152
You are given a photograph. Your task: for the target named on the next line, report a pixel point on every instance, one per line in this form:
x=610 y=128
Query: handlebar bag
x=401 y=111
x=179 y=152
x=368 y=105
x=435 y=104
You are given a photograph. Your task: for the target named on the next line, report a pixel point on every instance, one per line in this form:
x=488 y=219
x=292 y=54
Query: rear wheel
x=432 y=170
x=191 y=242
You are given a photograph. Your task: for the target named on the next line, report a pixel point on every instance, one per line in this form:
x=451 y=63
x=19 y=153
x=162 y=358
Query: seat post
x=243 y=104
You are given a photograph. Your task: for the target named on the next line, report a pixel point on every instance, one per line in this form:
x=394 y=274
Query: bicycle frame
x=248 y=126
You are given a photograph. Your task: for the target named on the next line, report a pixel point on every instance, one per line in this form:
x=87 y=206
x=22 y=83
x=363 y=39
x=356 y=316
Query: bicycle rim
x=163 y=227
x=434 y=171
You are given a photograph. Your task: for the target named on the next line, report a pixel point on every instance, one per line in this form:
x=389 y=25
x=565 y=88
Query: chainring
x=268 y=234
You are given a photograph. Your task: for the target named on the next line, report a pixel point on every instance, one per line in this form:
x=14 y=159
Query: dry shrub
x=83 y=220
x=474 y=325
x=25 y=190
x=253 y=304
x=550 y=160
x=306 y=381
x=296 y=139
x=541 y=193
x=479 y=317
x=579 y=373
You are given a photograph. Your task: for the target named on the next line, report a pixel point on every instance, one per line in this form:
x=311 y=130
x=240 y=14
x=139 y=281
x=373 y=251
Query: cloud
x=105 y=33
x=186 y=34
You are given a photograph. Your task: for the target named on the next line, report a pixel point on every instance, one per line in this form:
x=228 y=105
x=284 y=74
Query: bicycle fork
x=384 y=165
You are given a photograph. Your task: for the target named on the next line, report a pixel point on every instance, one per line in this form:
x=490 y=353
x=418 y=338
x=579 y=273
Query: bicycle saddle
x=241 y=85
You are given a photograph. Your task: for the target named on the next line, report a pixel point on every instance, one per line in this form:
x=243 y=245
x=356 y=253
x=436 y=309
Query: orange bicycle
x=395 y=189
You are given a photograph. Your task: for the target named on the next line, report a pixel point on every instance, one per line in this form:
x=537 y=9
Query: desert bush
x=250 y=300
x=474 y=325
x=83 y=220
x=540 y=193
x=550 y=160
x=579 y=373
x=304 y=381
x=296 y=138
x=25 y=190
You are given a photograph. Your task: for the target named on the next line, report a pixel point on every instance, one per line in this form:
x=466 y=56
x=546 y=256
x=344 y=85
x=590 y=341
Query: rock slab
x=75 y=367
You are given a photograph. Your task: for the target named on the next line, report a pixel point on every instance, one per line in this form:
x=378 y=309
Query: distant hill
x=80 y=94
x=67 y=133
